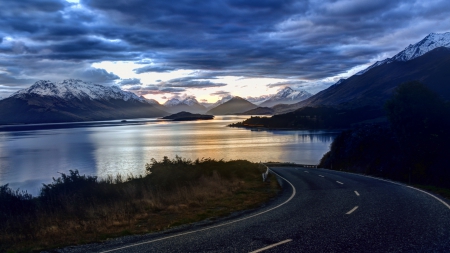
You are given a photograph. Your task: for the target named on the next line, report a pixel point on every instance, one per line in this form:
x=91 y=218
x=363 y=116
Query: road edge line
x=440 y=200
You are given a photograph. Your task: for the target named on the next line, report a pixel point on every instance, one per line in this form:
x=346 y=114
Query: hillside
x=233 y=106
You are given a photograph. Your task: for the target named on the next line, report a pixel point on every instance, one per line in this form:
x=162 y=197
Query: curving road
x=318 y=211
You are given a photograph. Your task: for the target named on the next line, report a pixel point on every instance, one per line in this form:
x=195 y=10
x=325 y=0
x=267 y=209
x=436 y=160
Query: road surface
x=318 y=211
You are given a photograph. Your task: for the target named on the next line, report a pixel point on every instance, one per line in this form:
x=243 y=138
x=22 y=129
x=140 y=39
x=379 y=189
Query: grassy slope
x=78 y=209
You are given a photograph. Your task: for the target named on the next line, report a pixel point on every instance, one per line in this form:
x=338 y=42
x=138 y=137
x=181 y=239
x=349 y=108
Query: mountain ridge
x=75 y=88
x=427 y=44
x=73 y=100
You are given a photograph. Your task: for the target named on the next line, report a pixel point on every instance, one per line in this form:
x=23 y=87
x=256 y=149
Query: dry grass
x=78 y=209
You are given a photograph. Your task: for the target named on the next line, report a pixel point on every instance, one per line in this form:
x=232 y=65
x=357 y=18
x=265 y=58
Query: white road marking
x=357 y=194
x=294 y=191
x=339 y=182
x=321 y=176
x=271 y=246
x=306 y=171
x=351 y=211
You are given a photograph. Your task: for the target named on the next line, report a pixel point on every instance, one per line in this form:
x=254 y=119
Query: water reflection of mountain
x=325 y=137
x=308 y=136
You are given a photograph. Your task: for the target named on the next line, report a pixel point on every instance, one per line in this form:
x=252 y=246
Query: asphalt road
x=318 y=211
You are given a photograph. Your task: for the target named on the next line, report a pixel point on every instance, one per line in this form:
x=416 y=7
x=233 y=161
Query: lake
x=32 y=154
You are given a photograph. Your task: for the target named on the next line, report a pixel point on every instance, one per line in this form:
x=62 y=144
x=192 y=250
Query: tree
x=420 y=120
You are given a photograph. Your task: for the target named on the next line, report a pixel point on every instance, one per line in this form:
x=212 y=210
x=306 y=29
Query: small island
x=185 y=116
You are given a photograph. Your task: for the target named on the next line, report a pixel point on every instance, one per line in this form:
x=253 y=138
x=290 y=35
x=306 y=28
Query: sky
x=208 y=49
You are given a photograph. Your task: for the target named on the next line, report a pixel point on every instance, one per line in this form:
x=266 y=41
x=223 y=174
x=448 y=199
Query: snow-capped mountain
x=74 y=100
x=372 y=88
x=189 y=101
x=74 y=88
x=286 y=96
x=258 y=100
x=430 y=42
x=188 y=104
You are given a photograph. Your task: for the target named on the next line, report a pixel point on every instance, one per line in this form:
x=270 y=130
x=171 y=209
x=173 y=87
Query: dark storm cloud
x=289 y=39
x=191 y=82
x=96 y=75
x=130 y=81
x=159 y=69
x=154 y=89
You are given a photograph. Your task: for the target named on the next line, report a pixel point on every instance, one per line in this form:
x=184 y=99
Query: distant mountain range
x=284 y=96
x=188 y=104
x=73 y=100
x=235 y=105
x=427 y=61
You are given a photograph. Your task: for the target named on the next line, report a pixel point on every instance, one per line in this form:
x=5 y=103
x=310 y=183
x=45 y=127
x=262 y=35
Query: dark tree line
x=314 y=118
x=413 y=147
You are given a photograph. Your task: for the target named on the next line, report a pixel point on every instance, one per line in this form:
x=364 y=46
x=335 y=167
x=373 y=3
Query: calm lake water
x=32 y=155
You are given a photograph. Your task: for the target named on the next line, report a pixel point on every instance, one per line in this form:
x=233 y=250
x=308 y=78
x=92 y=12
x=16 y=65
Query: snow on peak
x=290 y=94
x=189 y=101
x=75 y=88
x=430 y=42
x=258 y=100
x=283 y=93
x=172 y=102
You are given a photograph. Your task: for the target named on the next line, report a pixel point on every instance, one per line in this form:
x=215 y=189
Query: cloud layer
x=287 y=39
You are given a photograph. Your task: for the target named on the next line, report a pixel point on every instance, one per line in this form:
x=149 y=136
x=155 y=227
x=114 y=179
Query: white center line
x=357 y=194
x=321 y=176
x=271 y=246
x=339 y=182
x=351 y=211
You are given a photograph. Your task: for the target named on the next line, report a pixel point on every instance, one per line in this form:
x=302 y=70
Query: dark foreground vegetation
x=314 y=118
x=413 y=147
x=80 y=209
